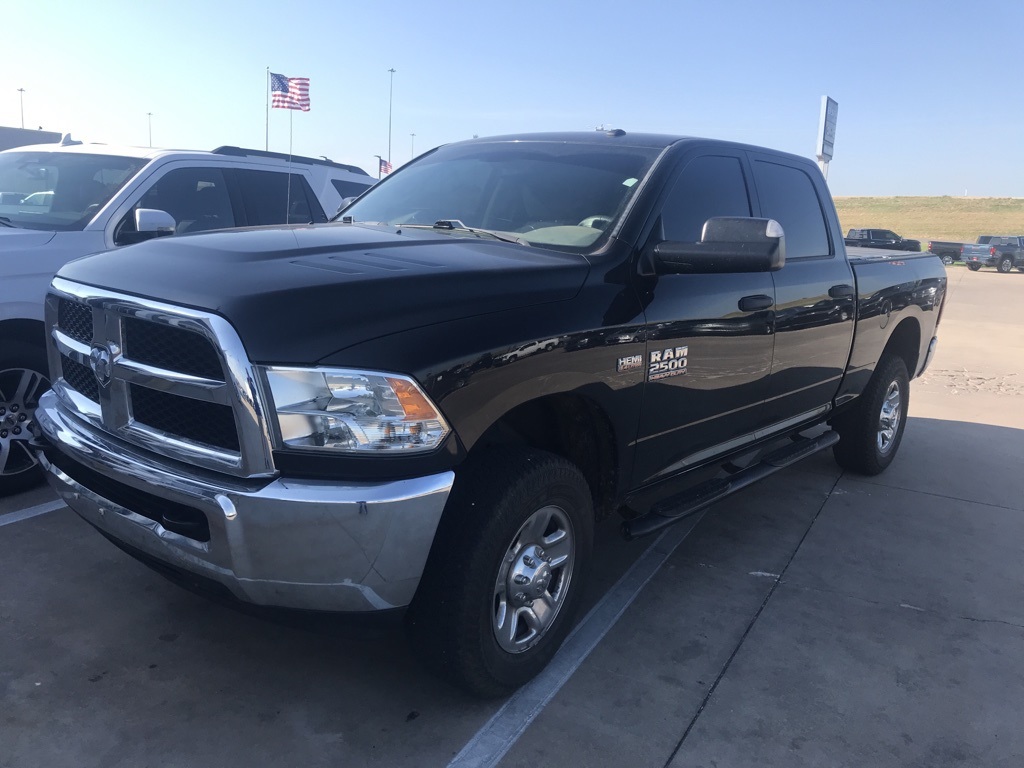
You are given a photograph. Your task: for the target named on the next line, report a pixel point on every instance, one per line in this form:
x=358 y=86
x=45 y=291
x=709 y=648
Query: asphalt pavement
x=816 y=619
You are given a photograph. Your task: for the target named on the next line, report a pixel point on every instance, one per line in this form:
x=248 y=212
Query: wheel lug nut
x=14 y=408
x=519 y=597
x=540 y=553
x=17 y=430
x=520 y=579
x=3 y=433
x=3 y=410
x=529 y=562
x=22 y=417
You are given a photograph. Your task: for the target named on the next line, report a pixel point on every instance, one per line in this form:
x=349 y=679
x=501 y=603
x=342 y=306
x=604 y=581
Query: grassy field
x=960 y=219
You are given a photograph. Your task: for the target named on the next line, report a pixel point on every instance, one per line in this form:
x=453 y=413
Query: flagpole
x=266 y=142
x=288 y=194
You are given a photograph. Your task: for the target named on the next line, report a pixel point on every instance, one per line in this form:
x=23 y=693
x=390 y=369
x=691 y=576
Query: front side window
x=59 y=191
x=197 y=199
x=788 y=196
x=560 y=195
x=707 y=188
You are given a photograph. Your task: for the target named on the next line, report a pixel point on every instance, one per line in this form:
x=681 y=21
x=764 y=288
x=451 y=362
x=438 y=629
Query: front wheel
x=23 y=379
x=870 y=434
x=973 y=266
x=505 y=574
x=1005 y=265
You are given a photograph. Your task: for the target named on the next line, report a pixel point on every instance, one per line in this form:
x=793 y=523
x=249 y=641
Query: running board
x=675 y=508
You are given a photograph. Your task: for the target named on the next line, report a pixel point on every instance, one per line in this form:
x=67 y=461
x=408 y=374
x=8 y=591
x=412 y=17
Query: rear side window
x=349 y=188
x=708 y=187
x=268 y=199
x=787 y=195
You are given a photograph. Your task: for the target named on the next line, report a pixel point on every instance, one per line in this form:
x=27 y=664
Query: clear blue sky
x=930 y=93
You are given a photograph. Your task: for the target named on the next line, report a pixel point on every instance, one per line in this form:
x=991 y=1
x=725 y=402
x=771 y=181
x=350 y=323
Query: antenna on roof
x=67 y=141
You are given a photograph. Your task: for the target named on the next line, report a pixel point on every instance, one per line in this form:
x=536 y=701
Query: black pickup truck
x=881 y=238
x=430 y=402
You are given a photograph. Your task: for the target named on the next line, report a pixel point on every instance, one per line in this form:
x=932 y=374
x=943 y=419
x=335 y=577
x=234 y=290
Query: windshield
x=552 y=194
x=59 y=190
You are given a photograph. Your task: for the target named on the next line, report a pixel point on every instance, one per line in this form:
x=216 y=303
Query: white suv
x=62 y=201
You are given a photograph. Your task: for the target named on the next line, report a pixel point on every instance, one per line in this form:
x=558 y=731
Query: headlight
x=355 y=412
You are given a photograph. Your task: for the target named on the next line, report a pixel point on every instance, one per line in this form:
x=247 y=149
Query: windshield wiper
x=6 y=222
x=454 y=225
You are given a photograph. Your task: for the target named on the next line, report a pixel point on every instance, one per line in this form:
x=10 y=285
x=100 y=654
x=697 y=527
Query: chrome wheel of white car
x=20 y=389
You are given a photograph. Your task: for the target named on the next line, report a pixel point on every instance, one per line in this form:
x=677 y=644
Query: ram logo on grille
x=101 y=361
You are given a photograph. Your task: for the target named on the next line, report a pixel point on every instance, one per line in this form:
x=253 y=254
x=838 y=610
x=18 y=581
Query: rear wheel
x=947 y=259
x=870 y=434
x=505 y=574
x=1005 y=264
x=973 y=266
x=23 y=379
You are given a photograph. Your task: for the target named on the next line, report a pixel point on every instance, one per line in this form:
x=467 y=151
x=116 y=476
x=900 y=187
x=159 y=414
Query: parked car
x=947 y=251
x=329 y=428
x=1004 y=252
x=881 y=238
x=61 y=202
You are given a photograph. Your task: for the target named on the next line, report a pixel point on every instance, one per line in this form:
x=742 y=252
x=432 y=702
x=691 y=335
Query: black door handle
x=755 y=303
x=840 y=291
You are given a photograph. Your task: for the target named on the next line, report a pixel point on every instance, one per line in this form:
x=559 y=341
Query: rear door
x=708 y=359
x=814 y=293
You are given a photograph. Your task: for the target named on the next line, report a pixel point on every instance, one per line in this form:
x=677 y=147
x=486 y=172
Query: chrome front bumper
x=309 y=544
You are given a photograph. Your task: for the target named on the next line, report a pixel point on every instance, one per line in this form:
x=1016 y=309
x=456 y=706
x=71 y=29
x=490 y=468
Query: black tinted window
x=349 y=188
x=197 y=198
x=269 y=201
x=708 y=187
x=787 y=195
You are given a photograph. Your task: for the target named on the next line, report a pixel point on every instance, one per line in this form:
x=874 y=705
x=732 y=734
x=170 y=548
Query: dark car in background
x=881 y=238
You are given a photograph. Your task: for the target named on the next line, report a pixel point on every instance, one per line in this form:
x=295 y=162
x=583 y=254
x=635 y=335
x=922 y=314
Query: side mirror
x=158 y=223
x=728 y=244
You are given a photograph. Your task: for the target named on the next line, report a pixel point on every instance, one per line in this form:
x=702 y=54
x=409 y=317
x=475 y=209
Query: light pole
x=412 y=145
x=391 y=93
x=378 y=166
x=150 y=116
x=21 y=96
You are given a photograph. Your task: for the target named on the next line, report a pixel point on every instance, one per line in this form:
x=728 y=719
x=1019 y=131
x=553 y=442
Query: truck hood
x=298 y=294
x=12 y=238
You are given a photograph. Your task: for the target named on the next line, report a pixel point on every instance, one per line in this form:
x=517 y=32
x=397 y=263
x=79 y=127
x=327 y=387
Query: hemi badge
x=630 y=363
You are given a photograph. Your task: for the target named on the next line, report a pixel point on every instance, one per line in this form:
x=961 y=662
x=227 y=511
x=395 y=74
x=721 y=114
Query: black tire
x=1005 y=264
x=23 y=378
x=482 y=544
x=973 y=266
x=947 y=259
x=869 y=437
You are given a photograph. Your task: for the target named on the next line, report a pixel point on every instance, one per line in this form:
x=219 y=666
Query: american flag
x=289 y=92
x=385 y=166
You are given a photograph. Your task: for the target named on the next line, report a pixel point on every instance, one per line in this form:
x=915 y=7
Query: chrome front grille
x=168 y=379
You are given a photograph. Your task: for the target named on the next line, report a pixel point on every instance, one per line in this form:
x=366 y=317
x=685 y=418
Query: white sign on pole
x=827 y=128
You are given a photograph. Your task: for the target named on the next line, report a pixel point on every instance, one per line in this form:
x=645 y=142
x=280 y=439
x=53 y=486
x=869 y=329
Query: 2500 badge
x=667 y=362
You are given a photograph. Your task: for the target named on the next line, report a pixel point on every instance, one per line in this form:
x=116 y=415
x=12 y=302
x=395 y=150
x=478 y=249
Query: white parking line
x=25 y=514
x=500 y=733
